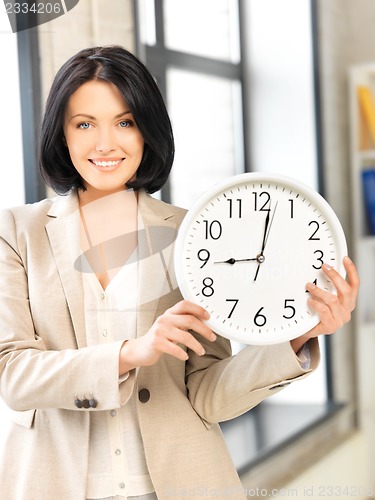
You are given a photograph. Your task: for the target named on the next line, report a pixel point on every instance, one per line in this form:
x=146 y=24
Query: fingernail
x=206 y=314
x=202 y=352
x=310 y=286
x=347 y=260
x=327 y=267
x=213 y=337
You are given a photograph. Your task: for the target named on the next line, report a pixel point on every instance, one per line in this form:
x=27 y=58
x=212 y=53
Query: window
x=219 y=105
x=201 y=77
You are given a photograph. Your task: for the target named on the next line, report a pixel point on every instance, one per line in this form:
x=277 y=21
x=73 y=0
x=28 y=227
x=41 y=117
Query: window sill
x=267 y=429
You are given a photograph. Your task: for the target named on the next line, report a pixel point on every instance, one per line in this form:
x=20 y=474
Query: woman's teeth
x=106 y=163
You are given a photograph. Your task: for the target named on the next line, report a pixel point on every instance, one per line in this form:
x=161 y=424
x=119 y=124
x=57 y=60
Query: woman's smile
x=106 y=165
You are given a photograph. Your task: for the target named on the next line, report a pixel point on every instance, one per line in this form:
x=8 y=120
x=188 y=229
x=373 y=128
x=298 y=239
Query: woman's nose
x=105 y=141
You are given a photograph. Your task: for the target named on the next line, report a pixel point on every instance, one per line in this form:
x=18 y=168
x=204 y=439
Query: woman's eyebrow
x=91 y=117
x=124 y=113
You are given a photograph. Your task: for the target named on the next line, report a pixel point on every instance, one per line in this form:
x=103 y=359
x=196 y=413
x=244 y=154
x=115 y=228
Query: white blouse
x=117 y=464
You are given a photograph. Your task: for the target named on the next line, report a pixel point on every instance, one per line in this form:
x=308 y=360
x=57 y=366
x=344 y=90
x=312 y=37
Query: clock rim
x=234 y=181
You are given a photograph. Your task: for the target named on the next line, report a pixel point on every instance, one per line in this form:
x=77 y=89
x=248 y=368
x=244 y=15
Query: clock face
x=246 y=250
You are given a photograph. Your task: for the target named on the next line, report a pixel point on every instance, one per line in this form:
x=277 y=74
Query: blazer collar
x=156 y=249
x=64 y=205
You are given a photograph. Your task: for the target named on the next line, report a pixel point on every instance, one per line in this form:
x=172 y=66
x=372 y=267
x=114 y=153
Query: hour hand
x=233 y=261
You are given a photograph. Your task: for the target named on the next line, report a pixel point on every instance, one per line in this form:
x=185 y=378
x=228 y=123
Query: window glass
x=281 y=98
x=208 y=28
x=147 y=28
x=208 y=132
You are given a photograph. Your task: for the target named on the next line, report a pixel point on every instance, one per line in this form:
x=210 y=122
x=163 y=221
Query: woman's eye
x=84 y=125
x=124 y=124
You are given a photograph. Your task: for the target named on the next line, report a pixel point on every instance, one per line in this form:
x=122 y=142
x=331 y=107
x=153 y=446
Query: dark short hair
x=116 y=65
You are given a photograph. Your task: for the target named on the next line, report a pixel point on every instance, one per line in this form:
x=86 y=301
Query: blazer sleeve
x=222 y=387
x=32 y=374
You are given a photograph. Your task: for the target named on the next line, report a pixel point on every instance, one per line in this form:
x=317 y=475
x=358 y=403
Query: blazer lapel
x=156 y=244
x=63 y=231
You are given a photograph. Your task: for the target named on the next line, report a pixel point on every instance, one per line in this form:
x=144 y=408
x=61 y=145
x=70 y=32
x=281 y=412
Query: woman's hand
x=334 y=310
x=169 y=330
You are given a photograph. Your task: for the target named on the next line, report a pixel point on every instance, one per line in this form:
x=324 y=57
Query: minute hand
x=267 y=229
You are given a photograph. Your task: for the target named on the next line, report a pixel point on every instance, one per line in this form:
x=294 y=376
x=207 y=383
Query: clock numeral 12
x=262 y=203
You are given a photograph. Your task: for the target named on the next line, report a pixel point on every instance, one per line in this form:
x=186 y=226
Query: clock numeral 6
x=204 y=256
x=207 y=289
x=260 y=319
x=213 y=229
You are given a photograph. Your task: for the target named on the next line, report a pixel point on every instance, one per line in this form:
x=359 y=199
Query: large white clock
x=246 y=250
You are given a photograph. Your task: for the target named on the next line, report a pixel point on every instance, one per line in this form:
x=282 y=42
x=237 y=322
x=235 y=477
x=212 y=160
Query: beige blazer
x=45 y=365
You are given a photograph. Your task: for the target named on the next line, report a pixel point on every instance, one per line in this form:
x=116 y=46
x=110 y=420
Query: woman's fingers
x=173 y=327
x=335 y=310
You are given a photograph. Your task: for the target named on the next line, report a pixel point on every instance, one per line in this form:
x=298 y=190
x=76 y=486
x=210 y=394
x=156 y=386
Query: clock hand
x=260 y=257
x=233 y=261
x=267 y=229
x=265 y=232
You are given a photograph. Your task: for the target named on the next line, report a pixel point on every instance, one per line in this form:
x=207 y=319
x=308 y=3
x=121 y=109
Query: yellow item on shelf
x=367 y=128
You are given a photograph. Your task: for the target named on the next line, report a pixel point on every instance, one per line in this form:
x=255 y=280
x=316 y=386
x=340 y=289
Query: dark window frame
x=31 y=111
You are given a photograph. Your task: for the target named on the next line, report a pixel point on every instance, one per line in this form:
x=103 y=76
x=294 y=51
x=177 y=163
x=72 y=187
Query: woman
x=115 y=384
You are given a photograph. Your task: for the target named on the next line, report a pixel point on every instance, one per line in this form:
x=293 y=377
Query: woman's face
x=103 y=139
